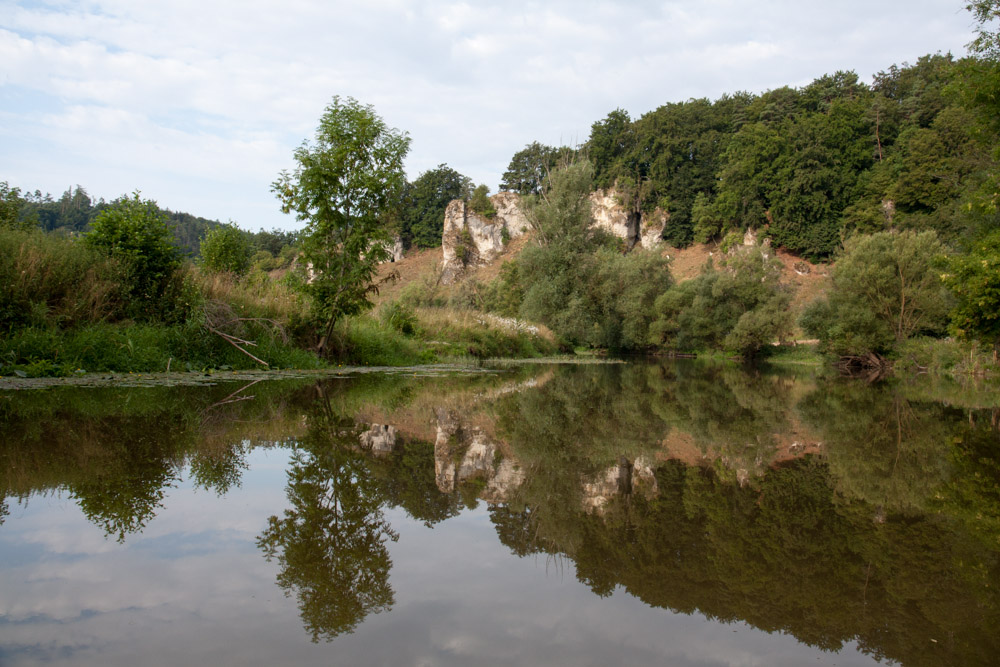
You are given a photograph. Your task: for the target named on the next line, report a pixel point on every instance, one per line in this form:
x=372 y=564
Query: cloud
x=225 y=90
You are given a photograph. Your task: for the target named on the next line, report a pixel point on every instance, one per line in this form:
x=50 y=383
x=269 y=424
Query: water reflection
x=331 y=542
x=834 y=512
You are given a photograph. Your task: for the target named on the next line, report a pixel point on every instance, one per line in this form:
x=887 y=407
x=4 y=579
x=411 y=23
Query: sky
x=199 y=104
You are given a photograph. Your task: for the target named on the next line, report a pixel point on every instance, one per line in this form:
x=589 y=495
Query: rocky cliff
x=470 y=239
x=635 y=229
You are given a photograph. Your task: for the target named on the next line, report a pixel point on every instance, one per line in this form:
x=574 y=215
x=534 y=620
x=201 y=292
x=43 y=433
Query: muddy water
x=587 y=514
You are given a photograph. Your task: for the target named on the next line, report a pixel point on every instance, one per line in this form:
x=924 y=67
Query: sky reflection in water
x=193 y=587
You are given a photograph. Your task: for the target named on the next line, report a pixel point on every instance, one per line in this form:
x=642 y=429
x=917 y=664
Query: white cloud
x=223 y=91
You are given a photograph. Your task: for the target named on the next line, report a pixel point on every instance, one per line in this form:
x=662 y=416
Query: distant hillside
x=72 y=213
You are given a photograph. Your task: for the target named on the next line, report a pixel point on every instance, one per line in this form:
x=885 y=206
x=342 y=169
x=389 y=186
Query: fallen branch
x=230 y=339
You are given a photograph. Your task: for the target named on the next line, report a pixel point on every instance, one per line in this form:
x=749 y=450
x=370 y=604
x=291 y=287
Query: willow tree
x=345 y=187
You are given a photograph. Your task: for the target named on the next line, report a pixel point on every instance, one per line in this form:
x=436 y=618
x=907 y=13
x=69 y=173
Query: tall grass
x=138 y=348
x=48 y=280
x=63 y=308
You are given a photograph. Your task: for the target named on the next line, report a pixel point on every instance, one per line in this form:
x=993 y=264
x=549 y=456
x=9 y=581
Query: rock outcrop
x=634 y=228
x=469 y=239
x=379 y=438
x=463 y=452
x=622 y=479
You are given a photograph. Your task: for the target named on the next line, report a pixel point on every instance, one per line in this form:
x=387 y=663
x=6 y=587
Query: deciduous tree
x=344 y=187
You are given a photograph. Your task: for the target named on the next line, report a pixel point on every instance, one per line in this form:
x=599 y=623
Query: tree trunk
x=322 y=348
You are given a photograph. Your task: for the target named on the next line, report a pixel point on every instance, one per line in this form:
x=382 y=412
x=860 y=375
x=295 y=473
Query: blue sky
x=200 y=104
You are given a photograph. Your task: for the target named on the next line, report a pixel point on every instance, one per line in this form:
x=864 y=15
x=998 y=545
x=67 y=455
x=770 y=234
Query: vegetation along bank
x=884 y=193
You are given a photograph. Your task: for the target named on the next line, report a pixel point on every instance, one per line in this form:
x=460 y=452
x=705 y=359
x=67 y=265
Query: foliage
x=47 y=280
x=974 y=279
x=575 y=280
x=400 y=317
x=505 y=293
x=331 y=544
x=11 y=205
x=479 y=202
x=426 y=200
x=226 y=249
x=274 y=241
x=134 y=233
x=142 y=348
x=75 y=210
x=812 y=165
x=344 y=187
x=530 y=166
x=740 y=307
x=886 y=288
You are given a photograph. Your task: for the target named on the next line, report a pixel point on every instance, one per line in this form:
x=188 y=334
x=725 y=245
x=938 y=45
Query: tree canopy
x=426 y=199
x=344 y=187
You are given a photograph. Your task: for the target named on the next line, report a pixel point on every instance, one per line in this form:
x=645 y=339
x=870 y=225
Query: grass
x=103 y=347
x=945 y=356
x=48 y=280
x=802 y=354
x=395 y=335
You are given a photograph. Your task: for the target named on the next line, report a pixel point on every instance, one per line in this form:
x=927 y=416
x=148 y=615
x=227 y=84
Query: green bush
x=886 y=288
x=227 y=249
x=399 y=317
x=480 y=202
x=134 y=233
x=739 y=308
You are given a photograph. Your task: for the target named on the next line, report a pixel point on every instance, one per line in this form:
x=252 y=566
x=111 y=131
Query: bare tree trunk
x=324 y=341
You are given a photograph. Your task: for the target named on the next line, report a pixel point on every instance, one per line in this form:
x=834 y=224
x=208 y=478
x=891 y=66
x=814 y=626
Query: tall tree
x=975 y=280
x=11 y=203
x=427 y=198
x=344 y=188
x=528 y=168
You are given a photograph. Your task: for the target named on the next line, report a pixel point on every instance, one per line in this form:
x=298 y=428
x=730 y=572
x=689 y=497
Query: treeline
x=809 y=166
x=74 y=211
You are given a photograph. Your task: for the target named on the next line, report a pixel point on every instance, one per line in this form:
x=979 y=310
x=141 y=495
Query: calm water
x=587 y=515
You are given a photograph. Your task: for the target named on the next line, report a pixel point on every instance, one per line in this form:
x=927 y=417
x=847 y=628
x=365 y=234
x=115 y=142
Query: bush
x=227 y=249
x=886 y=288
x=480 y=202
x=740 y=308
x=399 y=317
x=134 y=233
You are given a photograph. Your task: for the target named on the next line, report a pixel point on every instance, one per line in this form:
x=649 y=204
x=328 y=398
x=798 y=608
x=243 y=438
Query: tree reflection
x=331 y=544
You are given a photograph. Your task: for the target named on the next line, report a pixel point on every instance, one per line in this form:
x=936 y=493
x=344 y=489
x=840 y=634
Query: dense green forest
x=810 y=166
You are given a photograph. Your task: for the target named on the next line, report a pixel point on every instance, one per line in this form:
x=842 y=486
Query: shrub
x=741 y=307
x=399 y=317
x=134 y=233
x=227 y=249
x=886 y=288
x=480 y=202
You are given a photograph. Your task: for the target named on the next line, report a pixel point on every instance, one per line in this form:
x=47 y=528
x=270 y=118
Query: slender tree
x=345 y=187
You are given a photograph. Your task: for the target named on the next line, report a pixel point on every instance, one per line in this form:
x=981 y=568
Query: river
x=634 y=513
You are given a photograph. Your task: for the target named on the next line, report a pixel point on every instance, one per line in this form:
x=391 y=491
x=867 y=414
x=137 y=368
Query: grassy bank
x=66 y=308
